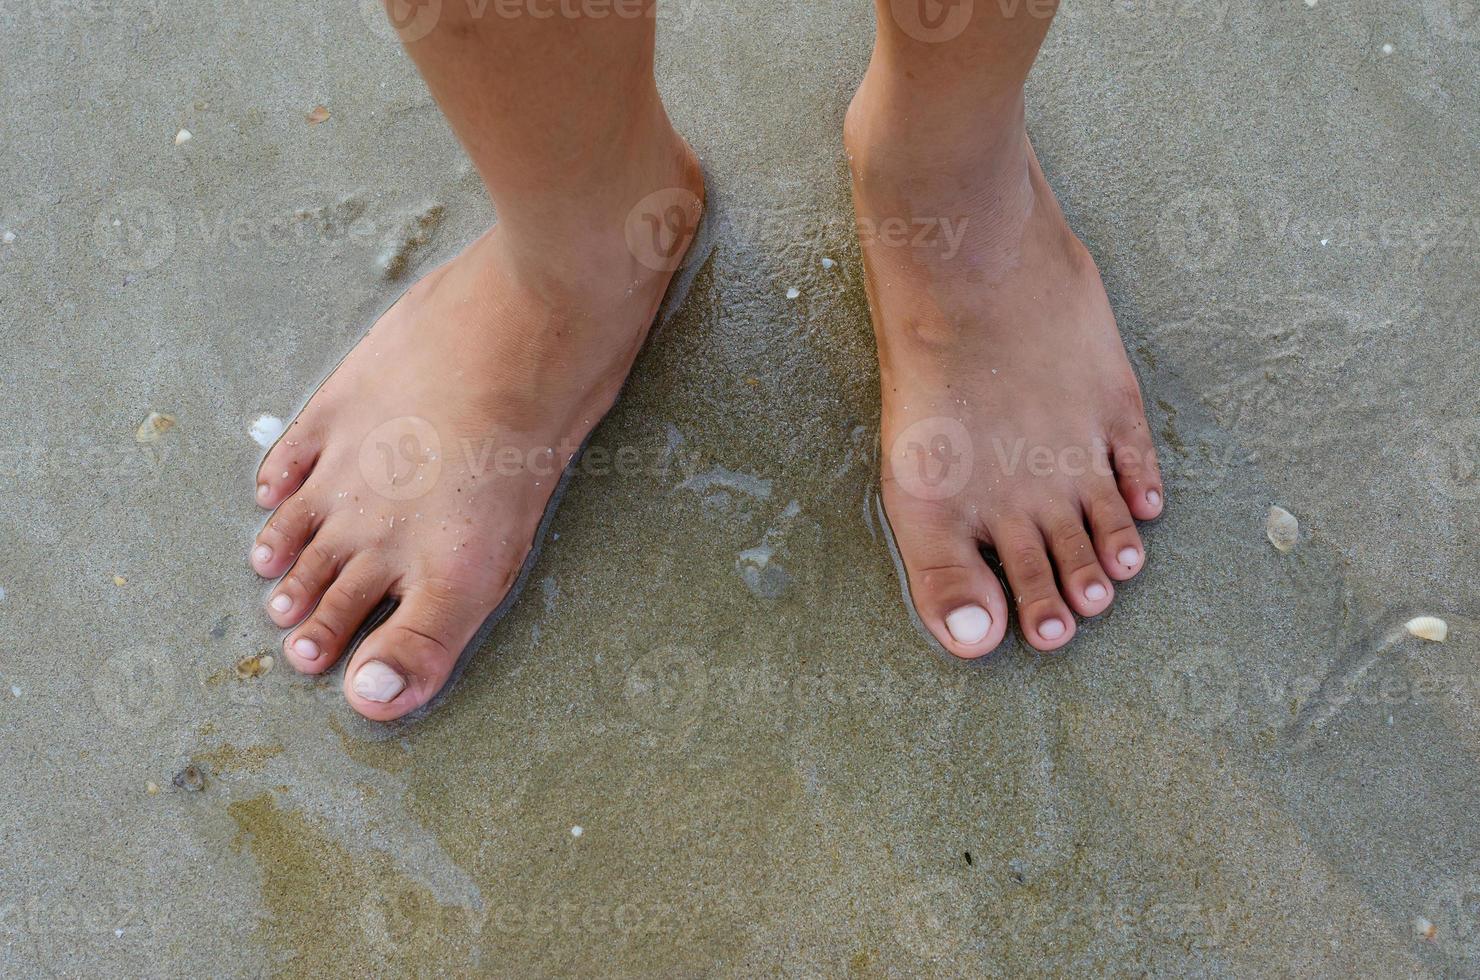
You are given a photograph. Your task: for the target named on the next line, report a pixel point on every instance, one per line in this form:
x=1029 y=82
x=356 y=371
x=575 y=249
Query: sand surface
x=1246 y=768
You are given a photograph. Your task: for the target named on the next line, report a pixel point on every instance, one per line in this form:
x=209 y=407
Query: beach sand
x=709 y=740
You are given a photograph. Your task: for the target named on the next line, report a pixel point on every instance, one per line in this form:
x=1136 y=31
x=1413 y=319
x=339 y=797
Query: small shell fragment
x=156 y=425
x=1428 y=628
x=120 y=581
x=266 y=430
x=183 y=136
x=191 y=779
x=255 y=665
x=1425 y=929
x=318 y=115
x=152 y=788
x=1282 y=529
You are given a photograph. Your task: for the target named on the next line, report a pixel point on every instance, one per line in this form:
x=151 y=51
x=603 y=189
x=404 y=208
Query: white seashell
x=1282 y=528
x=1428 y=628
x=793 y=293
x=266 y=430
x=156 y=425
x=183 y=136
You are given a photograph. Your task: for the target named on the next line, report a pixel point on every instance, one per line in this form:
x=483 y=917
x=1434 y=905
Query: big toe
x=955 y=594
x=406 y=660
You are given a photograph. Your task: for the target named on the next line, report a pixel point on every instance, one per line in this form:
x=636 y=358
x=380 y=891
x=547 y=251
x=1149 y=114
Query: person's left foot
x=1011 y=417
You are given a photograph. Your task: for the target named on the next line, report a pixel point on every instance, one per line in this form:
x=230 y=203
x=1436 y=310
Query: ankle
x=634 y=225
x=590 y=200
x=968 y=174
x=967 y=148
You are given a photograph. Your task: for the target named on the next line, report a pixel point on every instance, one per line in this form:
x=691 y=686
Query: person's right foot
x=422 y=467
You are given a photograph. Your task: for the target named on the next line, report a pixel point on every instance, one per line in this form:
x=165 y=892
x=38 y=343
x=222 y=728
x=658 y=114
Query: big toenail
x=1051 y=629
x=306 y=648
x=1094 y=592
x=282 y=603
x=376 y=682
x=969 y=624
x=1153 y=497
x=262 y=555
x=1129 y=557
x=263 y=490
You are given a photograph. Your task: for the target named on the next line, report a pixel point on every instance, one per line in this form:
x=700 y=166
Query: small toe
x=1046 y=620
x=406 y=660
x=953 y=590
x=321 y=640
x=300 y=588
x=286 y=533
x=1082 y=582
x=1136 y=471
x=286 y=466
x=1117 y=543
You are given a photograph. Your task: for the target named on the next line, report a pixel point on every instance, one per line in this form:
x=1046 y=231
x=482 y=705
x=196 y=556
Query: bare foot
x=1011 y=417
x=422 y=467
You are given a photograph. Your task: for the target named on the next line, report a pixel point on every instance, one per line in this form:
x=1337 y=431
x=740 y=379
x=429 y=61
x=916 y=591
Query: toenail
x=306 y=648
x=1129 y=557
x=1153 y=497
x=1051 y=629
x=1094 y=592
x=374 y=681
x=262 y=555
x=263 y=490
x=969 y=624
x=282 y=603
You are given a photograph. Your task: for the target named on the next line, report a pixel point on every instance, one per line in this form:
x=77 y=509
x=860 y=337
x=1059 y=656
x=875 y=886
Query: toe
x=284 y=536
x=405 y=661
x=1136 y=470
x=318 y=644
x=1045 y=618
x=1114 y=531
x=954 y=593
x=287 y=465
x=1082 y=582
x=298 y=590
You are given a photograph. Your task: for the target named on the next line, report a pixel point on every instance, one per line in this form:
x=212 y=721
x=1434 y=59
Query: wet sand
x=1245 y=768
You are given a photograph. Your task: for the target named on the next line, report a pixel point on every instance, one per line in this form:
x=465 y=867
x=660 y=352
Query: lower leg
x=561 y=116
x=1011 y=417
x=420 y=470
